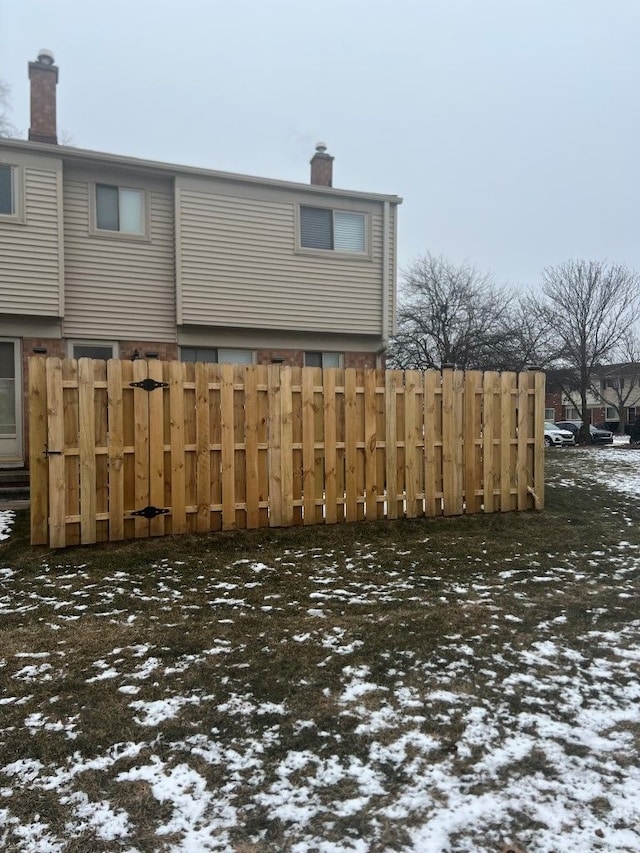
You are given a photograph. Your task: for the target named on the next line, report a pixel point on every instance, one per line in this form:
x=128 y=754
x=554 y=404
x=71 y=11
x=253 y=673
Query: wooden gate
x=130 y=449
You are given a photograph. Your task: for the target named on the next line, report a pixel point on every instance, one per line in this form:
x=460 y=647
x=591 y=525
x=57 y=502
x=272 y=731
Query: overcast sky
x=509 y=127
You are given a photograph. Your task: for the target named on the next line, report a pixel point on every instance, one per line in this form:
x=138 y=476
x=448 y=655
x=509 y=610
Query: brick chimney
x=43 y=75
x=322 y=167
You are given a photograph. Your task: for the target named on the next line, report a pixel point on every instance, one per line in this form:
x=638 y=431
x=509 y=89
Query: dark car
x=598 y=436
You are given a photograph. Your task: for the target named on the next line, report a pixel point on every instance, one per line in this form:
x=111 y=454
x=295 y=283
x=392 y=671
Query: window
x=550 y=415
x=210 y=355
x=337 y=230
x=7 y=190
x=632 y=412
x=86 y=349
x=120 y=209
x=193 y=354
x=572 y=414
x=323 y=359
x=610 y=413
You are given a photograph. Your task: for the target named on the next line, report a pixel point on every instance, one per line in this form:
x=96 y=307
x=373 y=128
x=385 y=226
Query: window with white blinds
x=337 y=230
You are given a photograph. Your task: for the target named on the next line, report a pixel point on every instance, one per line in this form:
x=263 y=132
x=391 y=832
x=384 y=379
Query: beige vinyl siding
x=239 y=265
x=117 y=287
x=31 y=272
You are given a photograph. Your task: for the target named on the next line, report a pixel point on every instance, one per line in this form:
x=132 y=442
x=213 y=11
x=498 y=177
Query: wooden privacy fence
x=127 y=449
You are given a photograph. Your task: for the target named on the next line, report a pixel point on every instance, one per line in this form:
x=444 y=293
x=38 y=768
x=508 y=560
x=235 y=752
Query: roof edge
x=67 y=152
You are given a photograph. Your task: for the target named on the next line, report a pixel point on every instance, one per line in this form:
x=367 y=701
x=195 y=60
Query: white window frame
x=610 y=413
x=572 y=413
x=143 y=236
x=72 y=344
x=341 y=253
x=17 y=194
x=550 y=415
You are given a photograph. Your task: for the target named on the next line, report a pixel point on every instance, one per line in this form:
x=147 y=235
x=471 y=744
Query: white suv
x=556 y=437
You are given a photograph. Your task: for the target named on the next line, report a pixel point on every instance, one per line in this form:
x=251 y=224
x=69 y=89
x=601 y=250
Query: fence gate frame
x=132 y=449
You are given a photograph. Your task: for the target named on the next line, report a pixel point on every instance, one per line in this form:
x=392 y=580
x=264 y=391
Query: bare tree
x=6 y=128
x=449 y=313
x=588 y=306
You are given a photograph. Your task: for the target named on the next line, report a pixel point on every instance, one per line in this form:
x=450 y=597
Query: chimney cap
x=46 y=57
x=321 y=147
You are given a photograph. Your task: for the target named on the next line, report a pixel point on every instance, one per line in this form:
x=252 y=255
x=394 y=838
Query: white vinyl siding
x=31 y=252
x=119 y=289
x=238 y=266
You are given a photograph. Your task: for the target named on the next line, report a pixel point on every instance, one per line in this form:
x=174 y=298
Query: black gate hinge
x=149 y=384
x=149 y=512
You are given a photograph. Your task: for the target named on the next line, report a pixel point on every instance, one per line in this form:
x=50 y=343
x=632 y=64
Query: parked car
x=554 y=436
x=598 y=436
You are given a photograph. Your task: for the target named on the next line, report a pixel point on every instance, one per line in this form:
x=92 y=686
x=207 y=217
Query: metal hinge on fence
x=149 y=512
x=149 y=384
x=47 y=452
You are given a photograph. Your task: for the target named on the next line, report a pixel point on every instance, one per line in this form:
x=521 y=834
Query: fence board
x=506 y=384
x=351 y=445
x=391 y=442
x=275 y=447
x=411 y=470
x=87 y=428
x=203 y=455
x=225 y=447
x=176 y=435
x=38 y=464
x=251 y=448
x=308 y=448
x=156 y=447
x=330 y=455
x=286 y=447
x=227 y=452
x=55 y=443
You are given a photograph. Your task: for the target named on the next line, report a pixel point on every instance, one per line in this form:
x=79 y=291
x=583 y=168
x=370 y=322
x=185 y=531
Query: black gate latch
x=149 y=384
x=150 y=512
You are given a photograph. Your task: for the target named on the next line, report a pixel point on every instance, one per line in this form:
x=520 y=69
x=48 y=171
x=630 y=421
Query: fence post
x=38 y=463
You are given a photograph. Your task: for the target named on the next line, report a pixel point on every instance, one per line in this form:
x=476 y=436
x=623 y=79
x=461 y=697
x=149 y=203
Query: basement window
x=323 y=359
x=211 y=355
x=120 y=209
x=334 y=230
x=87 y=349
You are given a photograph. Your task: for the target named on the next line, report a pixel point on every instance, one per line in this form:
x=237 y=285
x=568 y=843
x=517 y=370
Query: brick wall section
x=290 y=357
x=166 y=352
x=361 y=360
x=554 y=401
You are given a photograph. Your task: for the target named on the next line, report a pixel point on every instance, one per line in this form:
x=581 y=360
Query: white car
x=556 y=437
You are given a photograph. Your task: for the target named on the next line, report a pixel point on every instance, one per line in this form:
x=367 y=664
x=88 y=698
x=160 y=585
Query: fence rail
x=129 y=449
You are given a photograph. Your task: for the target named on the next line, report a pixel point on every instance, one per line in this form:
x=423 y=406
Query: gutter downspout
x=386 y=244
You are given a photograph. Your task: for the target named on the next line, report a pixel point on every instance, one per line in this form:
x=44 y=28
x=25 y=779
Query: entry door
x=10 y=403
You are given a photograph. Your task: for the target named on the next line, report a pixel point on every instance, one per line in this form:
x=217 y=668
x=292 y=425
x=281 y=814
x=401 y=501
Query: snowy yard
x=453 y=685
